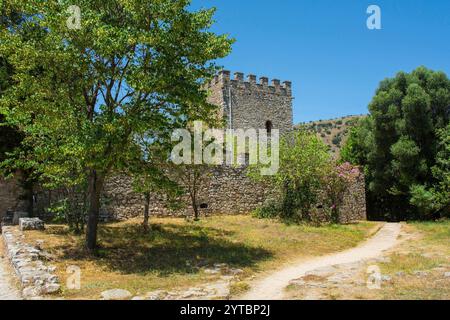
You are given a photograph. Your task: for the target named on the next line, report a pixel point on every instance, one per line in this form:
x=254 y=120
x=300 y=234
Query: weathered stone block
x=116 y=294
x=31 y=224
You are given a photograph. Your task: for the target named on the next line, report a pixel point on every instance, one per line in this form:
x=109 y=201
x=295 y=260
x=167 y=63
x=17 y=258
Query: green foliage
x=424 y=200
x=399 y=144
x=441 y=172
x=335 y=185
x=72 y=210
x=359 y=143
x=337 y=140
x=135 y=68
x=269 y=211
x=304 y=160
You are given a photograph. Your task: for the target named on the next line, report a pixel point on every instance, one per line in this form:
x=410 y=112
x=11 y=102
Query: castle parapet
x=224 y=76
x=275 y=87
x=264 y=81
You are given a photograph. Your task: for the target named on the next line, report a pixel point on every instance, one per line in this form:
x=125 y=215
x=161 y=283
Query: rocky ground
x=353 y=281
x=211 y=291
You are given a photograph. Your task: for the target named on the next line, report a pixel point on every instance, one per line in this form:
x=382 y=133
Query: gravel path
x=7 y=289
x=272 y=286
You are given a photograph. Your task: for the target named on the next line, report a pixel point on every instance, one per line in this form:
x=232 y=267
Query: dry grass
x=415 y=270
x=173 y=253
x=8 y=267
x=427 y=250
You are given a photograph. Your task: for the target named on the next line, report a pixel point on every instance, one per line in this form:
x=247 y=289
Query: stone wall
x=253 y=104
x=36 y=278
x=10 y=196
x=227 y=190
x=354 y=206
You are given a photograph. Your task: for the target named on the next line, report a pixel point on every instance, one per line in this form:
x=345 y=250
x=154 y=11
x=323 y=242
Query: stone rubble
x=116 y=294
x=26 y=224
x=36 y=278
x=210 y=291
x=420 y=274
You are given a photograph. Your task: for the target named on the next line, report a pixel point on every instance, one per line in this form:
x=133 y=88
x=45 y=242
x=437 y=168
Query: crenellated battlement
x=275 y=87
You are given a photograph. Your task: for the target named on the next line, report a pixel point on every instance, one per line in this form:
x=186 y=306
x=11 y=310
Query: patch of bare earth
x=8 y=283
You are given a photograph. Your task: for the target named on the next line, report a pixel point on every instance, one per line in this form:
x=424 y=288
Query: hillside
x=333 y=132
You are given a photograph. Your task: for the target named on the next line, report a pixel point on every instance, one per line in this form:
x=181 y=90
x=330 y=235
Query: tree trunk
x=146 y=212
x=27 y=184
x=95 y=189
x=195 y=206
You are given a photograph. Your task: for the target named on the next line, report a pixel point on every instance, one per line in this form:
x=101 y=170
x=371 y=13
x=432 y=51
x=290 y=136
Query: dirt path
x=8 y=291
x=272 y=286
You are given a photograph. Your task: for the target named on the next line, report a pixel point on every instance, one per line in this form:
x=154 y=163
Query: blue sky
x=326 y=50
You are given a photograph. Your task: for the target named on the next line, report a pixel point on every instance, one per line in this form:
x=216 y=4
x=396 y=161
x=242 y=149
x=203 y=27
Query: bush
x=269 y=211
x=335 y=185
x=304 y=160
x=337 y=140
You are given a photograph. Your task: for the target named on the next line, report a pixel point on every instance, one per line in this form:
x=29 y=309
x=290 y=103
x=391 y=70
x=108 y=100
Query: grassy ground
x=173 y=255
x=417 y=269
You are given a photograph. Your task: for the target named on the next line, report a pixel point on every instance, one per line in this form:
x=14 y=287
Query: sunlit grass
x=172 y=254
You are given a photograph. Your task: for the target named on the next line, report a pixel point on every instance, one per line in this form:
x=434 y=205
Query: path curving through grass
x=272 y=286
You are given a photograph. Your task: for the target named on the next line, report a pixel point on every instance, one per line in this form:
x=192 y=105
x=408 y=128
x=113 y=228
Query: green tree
x=134 y=66
x=434 y=199
x=359 y=143
x=304 y=162
x=11 y=137
x=398 y=144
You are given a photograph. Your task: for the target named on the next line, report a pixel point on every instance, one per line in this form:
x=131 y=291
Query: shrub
x=269 y=211
x=304 y=160
x=335 y=185
x=337 y=140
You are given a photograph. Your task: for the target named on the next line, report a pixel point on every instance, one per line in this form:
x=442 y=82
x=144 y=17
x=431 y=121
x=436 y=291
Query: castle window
x=269 y=126
x=247 y=159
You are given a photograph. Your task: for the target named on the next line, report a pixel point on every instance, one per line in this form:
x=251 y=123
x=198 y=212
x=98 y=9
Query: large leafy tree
x=135 y=67
x=399 y=143
x=10 y=136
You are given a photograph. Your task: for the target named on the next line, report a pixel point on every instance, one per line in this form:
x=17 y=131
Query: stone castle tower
x=251 y=104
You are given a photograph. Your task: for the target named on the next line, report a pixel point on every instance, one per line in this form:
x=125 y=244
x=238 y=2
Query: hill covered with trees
x=333 y=132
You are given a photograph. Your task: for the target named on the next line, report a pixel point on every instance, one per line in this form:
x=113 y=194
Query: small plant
x=272 y=210
x=71 y=209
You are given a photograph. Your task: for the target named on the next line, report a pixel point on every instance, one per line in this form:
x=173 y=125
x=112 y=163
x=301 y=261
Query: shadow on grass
x=166 y=249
